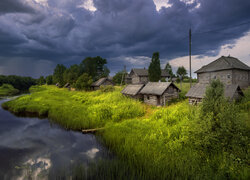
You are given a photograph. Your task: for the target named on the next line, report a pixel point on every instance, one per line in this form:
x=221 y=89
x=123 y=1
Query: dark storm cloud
x=14 y=6
x=63 y=31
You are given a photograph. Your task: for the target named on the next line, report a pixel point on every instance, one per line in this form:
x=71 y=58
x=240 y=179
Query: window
x=214 y=77
x=148 y=97
x=228 y=76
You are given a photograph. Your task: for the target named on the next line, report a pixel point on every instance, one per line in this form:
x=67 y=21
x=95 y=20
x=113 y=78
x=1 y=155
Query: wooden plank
x=86 y=131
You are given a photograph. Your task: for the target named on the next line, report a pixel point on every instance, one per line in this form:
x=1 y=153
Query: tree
x=71 y=74
x=83 y=82
x=49 y=80
x=95 y=67
x=169 y=70
x=154 y=70
x=117 y=79
x=58 y=74
x=181 y=72
x=41 y=81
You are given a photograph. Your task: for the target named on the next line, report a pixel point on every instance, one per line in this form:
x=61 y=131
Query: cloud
x=15 y=6
x=62 y=31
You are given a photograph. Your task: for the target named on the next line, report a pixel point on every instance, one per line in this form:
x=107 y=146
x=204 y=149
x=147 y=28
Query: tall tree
x=58 y=74
x=117 y=79
x=49 y=80
x=41 y=81
x=71 y=74
x=95 y=67
x=154 y=70
x=169 y=70
x=181 y=72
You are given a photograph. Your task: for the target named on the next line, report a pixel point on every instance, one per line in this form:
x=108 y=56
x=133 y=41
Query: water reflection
x=32 y=148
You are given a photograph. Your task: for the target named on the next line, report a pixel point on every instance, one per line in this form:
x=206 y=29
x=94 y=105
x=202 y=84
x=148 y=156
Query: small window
x=228 y=76
x=214 y=77
x=148 y=97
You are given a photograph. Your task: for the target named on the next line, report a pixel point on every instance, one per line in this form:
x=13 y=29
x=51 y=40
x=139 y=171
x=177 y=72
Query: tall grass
x=173 y=142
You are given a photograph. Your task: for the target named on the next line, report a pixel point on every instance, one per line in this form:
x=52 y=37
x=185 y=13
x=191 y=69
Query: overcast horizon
x=36 y=35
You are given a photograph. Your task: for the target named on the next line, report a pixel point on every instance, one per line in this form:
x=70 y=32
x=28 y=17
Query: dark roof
x=132 y=89
x=157 y=88
x=100 y=82
x=144 y=72
x=224 y=63
x=199 y=90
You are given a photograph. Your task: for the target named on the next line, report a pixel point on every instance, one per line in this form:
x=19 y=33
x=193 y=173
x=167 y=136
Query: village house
x=140 y=76
x=101 y=82
x=159 y=93
x=229 y=70
x=197 y=92
x=133 y=91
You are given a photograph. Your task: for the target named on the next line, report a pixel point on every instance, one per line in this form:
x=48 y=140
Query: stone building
x=140 y=76
x=101 y=82
x=133 y=91
x=159 y=93
x=229 y=70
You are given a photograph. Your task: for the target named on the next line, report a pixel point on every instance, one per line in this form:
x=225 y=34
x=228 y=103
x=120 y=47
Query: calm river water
x=32 y=148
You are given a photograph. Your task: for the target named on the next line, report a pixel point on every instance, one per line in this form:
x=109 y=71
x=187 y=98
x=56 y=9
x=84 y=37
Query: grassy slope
x=8 y=90
x=155 y=143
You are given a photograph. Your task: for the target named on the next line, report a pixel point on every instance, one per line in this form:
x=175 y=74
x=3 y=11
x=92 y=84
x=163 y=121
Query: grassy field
x=8 y=90
x=172 y=142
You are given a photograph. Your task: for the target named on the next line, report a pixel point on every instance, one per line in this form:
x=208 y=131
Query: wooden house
x=101 y=82
x=197 y=92
x=159 y=93
x=67 y=85
x=133 y=91
x=228 y=70
x=140 y=76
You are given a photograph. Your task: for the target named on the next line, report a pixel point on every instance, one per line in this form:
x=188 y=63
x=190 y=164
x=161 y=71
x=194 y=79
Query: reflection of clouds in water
x=33 y=168
x=91 y=153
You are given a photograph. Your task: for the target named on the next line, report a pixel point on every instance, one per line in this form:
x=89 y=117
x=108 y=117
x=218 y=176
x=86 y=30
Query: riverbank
x=155 y=143
x=8 y=90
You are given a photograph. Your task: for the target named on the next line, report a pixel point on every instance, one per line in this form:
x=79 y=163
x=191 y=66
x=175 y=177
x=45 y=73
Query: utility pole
x=124 y=73
x=190 y=42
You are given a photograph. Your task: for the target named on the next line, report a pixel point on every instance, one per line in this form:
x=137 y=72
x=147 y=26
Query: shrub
x=83 y=82
x=108 y=88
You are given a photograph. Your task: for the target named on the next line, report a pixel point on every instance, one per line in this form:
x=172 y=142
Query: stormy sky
x=35 y=35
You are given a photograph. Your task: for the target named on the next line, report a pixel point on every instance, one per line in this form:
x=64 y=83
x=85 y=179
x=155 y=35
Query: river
x=33 y=148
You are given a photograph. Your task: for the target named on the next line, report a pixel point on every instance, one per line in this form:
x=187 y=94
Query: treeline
x=79 y=76
x=18 y=82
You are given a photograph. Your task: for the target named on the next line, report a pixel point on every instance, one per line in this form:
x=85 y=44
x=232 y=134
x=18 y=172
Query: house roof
x=199 y=90
x=157 y=88
x=100 y=82
x=132 y=89
x=223 y=63
x=144 y=72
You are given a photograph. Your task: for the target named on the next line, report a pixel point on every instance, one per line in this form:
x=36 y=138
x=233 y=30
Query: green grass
x=151 y=142
x=8 y=90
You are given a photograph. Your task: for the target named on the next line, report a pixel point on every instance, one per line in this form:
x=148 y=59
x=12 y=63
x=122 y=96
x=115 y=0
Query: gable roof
x=144 y=72
x=224 y=63
x=132 y=89
x=100 y=82
x=199 y=90
x=157 y=88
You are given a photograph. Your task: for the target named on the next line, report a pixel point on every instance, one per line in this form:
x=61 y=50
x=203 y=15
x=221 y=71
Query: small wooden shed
x=197 y=92
x=102 y=82
x=67 y=85
x=159 y=93
x=133 y=91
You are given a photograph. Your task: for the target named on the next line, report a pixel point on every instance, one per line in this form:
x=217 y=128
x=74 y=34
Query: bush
x=108 y=88
x=83 y=82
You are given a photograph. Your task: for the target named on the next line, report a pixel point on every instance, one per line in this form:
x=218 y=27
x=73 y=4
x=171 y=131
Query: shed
x=158 y=93
x=133 y=90
x=67 y=85
x=102 y=82
x=197 y=92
